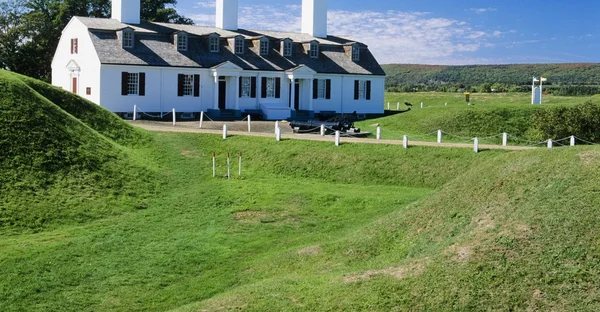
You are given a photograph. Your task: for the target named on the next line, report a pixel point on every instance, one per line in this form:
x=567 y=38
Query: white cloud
x=482 y=10
x=392 y=36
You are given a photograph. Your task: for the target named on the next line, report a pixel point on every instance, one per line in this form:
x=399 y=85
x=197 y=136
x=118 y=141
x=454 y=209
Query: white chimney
x=314 y=18
x=227 y=14
x=126 y=11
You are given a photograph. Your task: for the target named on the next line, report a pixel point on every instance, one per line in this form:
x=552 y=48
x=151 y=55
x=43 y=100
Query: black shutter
x=263 y=87
x=124 y=83
x=240 y=87
x=142 y=84
x=180 y=85
x=328 y=89
x=277 y=88
x=356 y=89
x=196 y=85
x=368 y=89
x=253 y=87
x=315 y=88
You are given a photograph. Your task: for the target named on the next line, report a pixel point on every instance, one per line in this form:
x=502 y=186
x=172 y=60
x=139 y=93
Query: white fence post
x=421 y=104
x=278 y=134
x=446 y=104
x=201 y=118
x=549 y=143
x=504 y=139
x=134 y=112
x=249 y=124
x=276 y=126
x=405 y=141
x=228 y=167
x=572 y=140
x=388 y=105
x=214 y=163
x=322 y=130
x=398 y=106
x=337 y=138
x=240 y=165
x=224 y=131
x=378 y=133
x=173 y=117
x=476 y=145
x=439 y=136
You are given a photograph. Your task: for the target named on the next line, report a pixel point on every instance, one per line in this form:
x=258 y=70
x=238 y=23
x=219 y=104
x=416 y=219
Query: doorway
x=74 y=85
x=297 y=97
x=222 y=93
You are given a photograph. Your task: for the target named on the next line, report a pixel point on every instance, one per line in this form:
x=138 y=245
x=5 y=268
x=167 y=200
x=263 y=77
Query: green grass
x=307 y=227
x=490 y=114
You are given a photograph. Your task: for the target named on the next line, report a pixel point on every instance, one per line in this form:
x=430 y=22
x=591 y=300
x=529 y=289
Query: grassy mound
x=53 y=167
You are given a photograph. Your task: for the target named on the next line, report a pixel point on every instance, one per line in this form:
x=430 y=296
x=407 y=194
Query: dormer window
x=264 y=46
x=181 y=41
x=213 y=43
x=239 y=45
x=314 y=50
x=355 y=53
x=128 y=38
x=286 y=47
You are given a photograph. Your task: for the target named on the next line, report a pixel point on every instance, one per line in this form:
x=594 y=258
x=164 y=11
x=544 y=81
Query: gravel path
x=267 y=129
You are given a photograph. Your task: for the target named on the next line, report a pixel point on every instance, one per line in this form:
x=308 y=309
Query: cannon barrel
x=312 y=124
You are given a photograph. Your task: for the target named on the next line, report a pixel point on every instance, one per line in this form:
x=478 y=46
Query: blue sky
x=441 y=32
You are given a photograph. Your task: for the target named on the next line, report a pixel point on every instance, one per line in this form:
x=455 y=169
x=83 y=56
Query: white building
x=222 y=70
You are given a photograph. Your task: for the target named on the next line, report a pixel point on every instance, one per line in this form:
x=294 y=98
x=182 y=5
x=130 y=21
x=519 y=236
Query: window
x=246 y=86
x=355 y=53
x=270 y=87
x=213 y=42
x=182 y=42
x=322 y=89
x=188 y=85
x=287 y=47
x=362 y=89
x=239 y=45
x=88 y=91
x=133 y=83
x=74 y=46
x=314 y=50
x=127 y=39
x=264 y=46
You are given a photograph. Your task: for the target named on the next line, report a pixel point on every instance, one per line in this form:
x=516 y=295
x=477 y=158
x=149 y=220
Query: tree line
x=30 y=29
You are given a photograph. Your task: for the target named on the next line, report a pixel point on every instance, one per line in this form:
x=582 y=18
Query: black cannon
x=342 y=122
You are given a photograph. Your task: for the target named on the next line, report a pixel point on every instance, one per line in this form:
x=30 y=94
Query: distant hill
x=517 y=74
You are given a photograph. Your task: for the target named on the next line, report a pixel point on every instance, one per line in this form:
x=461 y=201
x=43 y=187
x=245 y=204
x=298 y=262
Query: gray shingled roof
x=154 y=47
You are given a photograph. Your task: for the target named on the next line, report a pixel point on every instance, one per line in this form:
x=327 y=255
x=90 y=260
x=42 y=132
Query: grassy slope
x=54 y=168
x=490 y=114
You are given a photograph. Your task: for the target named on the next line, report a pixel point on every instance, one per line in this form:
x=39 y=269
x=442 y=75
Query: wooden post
x=228 y=167
x=249 y=124
x=549 y=143
x=214 y=163
x=134 y=112
x=504 y=139
x=405 y=141
x=572 y=140
x=322 y=130
x=337 y=138
x=240 y=165
x=378 y=133
x=439 y=136
x=476 y=145
x=224 y=131
x=201 y=118
x=173 y=117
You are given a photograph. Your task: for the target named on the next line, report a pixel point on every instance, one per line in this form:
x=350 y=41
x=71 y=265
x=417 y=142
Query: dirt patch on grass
x=310 y=250
x=190 y=154
x=250 y=216
x=399 y=272
x=588 y=158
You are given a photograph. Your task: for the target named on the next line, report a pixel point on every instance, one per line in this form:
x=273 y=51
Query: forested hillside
x=501 y=78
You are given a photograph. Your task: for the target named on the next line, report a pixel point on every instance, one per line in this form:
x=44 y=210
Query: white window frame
x=362 y=89
x=213 y=43
x=133 y=83
x=264 y=46
x=188 y=85
x=271 y=85
x=287 y=47
x=321 y=88
x=238 y=44
x=314 y=50
x=246 y=87
x=128 y=38
x=355 y=53
x=182 y=42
